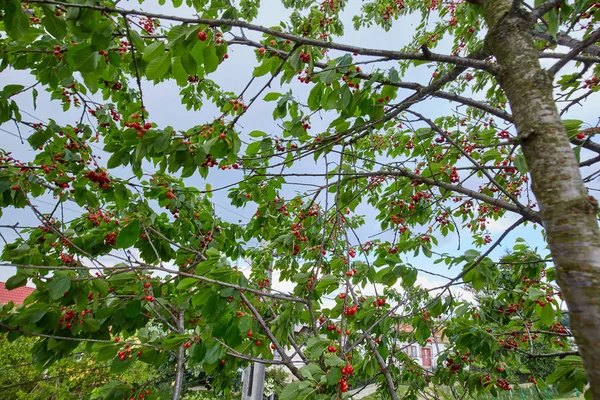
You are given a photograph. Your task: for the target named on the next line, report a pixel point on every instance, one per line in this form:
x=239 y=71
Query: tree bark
x=569 y=215
x=180 y=369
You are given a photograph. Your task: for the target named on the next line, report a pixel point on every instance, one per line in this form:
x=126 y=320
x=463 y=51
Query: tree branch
x=593 y=38
x=393 y=55
x=286 y=359
x=545 y=7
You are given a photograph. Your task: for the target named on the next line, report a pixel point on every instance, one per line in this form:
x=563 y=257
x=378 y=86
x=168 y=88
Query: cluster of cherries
x=304 y=57
x=99 y=216
x=123 y=355
x=70 y=317
x=350 y=310
x=140 y=396
x=111 y=238
x=390 y=11
x=149 y=24
x=101 y=178
x=346 y=372
x=591 y=83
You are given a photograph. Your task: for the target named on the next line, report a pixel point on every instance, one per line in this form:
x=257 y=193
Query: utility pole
x=253 y=377
x=254 y=382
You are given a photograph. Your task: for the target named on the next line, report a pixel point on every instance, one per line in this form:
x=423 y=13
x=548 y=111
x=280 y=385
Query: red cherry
x=257 y=342
x=202 y=35
x=222 y=362
x=261 y=50
x=117 y=339
x=580 y=135
x=147 y=285
x=250 y=333
x=222 y=135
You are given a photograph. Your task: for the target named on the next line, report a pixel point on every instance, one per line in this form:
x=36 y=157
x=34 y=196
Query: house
x=17 y=296
x=427 y=354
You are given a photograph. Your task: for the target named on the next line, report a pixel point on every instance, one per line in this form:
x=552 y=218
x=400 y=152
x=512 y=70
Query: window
x=412 y=351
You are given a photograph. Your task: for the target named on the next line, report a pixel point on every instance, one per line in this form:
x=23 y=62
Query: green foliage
x=73 y=377
x=148 y=268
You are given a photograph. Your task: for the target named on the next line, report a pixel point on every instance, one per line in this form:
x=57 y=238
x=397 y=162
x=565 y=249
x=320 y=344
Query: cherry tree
x=355 y=189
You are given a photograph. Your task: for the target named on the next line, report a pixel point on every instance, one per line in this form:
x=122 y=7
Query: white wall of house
x=426 y=355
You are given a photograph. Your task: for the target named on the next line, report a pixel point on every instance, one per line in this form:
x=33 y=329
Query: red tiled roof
x=17 y=295
x=409 y=329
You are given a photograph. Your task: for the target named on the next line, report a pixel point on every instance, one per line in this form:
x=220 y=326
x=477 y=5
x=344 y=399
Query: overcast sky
x=164 y=105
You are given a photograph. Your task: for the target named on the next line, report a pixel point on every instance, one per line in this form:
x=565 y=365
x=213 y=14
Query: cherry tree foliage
x=356 y=186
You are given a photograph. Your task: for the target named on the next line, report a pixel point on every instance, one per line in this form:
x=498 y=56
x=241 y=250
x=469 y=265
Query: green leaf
x=572 y=126
x=547 y=314
x=189 y=64
x=294 y=61
x=311 y=372
x=154 y=50
x=315 y=96
x=15 y=20
x=187 y=283
x=179 y=72
x=162 y=142
x=158 y=67
x=334 y=361
x=272 y=96
x=10 y=90
x=334 y=376
x=177 y=35
x=534 y=293
x=91 y=325
x=345 y=97
x=520 y=163
x=327 y=284
x=213 y=354
x=553 y=22
x=298 y=390
x=119 y=366
x=211 y=60
x=257 y=134
x=245 y=324
x=83 y=58
x=174 y=341
x=328 y=76
x=133 y=308
x=58 y=286
x=56 y=26
x=471 y=255
x=105 y=351
x=15 y=281
x=316 y=344
x=129 y=235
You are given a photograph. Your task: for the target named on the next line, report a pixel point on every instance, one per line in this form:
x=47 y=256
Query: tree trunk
x=180 y=369
x=569 y=215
